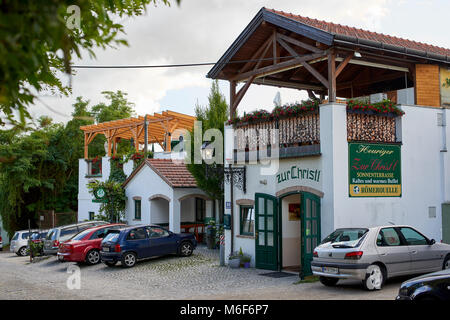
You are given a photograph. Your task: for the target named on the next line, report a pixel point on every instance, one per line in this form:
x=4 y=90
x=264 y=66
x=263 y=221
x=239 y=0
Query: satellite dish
x=277 y=100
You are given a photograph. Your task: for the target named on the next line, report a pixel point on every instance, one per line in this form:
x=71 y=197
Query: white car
x=19 y=243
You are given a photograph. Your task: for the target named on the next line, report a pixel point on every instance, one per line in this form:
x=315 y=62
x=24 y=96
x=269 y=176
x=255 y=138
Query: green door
x=446 y=223
x=266 y=244
x=310 y=229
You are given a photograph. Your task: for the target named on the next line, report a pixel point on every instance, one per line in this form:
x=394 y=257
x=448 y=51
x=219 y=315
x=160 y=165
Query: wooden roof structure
x=286 y=50
x=160 y=127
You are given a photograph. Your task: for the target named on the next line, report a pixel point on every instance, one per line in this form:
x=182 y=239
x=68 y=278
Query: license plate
x=106 y=249
x=330 y=270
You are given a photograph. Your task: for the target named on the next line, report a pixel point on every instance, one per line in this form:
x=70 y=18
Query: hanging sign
x=374 y=170
x=100 y=195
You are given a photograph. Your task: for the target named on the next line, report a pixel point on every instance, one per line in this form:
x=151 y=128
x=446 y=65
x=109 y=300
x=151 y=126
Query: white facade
x=425 y=180
x=160 y=203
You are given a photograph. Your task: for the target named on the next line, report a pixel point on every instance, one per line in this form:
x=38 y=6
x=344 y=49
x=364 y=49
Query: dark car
x=130 y=244
x=432 y=286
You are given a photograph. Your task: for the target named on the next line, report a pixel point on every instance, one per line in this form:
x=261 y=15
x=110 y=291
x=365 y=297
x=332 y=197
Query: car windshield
x=81 y=235
x=112 y=236
x=345 y=238
x=51 y=235
x=16 y=236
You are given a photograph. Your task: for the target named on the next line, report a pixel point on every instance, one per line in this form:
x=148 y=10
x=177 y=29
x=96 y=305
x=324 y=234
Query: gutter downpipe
x=443 y=152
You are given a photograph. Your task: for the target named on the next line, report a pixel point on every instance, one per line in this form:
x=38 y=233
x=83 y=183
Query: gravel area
x=197 y=277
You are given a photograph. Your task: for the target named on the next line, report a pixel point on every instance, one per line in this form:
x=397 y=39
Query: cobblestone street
x=196 y=277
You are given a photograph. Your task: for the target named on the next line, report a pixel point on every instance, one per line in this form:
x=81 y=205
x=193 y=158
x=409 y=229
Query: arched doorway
x=287 y=230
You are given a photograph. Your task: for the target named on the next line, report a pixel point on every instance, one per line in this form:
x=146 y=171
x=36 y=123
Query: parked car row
x=373 y=255
x=99 y=241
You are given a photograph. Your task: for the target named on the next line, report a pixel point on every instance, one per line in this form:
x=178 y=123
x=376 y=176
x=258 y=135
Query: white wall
x=421 y=179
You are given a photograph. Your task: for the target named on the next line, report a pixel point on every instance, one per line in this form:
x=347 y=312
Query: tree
x=209 y=177
x=39 y=167
x=39 y=38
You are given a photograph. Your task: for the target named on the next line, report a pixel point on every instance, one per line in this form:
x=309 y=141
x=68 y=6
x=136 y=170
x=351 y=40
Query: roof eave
x=275 y=19
x=345 y=39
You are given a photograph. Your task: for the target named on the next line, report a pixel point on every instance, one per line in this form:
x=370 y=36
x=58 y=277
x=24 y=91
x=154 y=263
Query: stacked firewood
x=371 y=128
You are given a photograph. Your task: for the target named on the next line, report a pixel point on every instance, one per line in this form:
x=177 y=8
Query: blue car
x=130 y=244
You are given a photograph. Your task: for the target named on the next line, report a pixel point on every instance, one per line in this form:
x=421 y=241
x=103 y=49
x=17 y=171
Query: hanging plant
x=383 y=107
x=288 y=110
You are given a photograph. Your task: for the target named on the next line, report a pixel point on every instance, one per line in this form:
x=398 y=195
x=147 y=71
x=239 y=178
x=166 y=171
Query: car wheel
x=93 y=257
x=374 y=278
x=110 y=263
x=446 y=264
x=329 y=282
x=129 y=259
x=185 y=249
x=23 y=251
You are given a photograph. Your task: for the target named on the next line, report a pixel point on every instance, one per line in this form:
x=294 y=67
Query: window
x=155 y=232
x=247 y=219
x=412 y=237
x=137 y=234
x=25 y=235
x=91 y=215
x=353 y=235
x=388 y=237
x=68 y=231
x=16 y=236
x=200 y=210
x=137 y=209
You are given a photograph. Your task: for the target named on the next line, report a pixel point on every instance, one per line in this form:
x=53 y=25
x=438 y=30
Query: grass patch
x=308 y=279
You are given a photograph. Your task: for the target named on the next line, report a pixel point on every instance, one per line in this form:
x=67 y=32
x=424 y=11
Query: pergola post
x=331 y=76
x=232 y=99
x=86 y=146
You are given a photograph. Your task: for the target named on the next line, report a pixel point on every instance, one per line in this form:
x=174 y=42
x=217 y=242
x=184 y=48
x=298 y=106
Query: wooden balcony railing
x=300 y=135
x=371 y=127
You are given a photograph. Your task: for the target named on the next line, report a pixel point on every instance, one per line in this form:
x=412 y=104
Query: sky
x=200 y=31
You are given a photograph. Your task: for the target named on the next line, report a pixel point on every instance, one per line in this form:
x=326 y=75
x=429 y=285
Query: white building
x=337 y=166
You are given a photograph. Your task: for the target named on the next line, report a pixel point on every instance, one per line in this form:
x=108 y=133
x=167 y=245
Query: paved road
x=196 y=277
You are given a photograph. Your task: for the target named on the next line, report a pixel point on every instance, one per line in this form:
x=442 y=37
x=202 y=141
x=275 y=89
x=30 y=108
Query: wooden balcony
x=299 y=136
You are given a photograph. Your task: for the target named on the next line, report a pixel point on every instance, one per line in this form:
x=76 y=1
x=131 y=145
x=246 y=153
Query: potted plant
x=245 y=260
x=211 y=230
x=234 y=260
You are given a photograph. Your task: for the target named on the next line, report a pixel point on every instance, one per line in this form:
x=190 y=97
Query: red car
x=85 y=246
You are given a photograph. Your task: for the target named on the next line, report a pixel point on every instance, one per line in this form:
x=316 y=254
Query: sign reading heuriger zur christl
x=374 y=170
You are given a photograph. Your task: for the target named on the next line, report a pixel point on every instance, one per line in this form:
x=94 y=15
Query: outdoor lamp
x=207 y=151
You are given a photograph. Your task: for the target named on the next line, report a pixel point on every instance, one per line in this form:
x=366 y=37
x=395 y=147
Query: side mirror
x=431 y=242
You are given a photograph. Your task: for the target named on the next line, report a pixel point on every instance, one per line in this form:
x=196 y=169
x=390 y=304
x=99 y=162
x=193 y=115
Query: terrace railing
x=300 y=135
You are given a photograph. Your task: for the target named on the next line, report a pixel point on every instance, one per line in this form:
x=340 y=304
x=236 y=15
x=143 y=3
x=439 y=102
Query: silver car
x=19 y=242
x=374 y=254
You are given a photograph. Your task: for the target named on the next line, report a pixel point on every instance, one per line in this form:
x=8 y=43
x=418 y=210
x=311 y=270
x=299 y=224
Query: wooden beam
x=343 y=64
x=232 y=99
x=279 y=67
x=288 y=84
x=242 y=92
x=316 y=74
x=86 y=150
x=298 y=43
x=257 y=53
x=331 y=77
x=274 y=47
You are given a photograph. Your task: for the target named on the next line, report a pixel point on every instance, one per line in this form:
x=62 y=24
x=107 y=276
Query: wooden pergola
x=160 y=127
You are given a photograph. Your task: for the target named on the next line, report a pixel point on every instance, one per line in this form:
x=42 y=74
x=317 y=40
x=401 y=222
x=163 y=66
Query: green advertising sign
x=374 y=170
x=100 y=195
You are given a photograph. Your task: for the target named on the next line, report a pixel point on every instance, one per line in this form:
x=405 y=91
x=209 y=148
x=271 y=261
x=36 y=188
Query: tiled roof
x=175 y=173
x=363 y=34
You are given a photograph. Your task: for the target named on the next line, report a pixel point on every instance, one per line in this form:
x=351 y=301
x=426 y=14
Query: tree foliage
x=209 y=177
x=39 y=170
x=40 y=38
